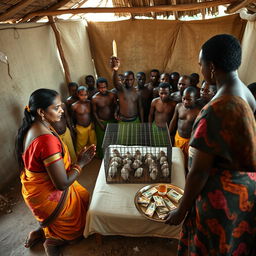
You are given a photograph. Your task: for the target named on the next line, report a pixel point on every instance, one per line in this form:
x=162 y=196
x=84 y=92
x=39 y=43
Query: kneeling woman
x=49 y=185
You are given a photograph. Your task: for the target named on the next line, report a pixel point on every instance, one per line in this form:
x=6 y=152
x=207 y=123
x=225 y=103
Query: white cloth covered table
x=112 y=210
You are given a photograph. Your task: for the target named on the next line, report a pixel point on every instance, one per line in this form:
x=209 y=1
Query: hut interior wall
x=34 y=63
x=247 y=71
x=165 y=45
x=142 y=45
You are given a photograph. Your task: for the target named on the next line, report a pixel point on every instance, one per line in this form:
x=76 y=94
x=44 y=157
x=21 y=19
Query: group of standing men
x=171 y=100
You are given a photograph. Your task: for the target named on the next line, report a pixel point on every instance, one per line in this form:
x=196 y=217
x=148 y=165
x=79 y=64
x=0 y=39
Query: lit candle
x=114 y=48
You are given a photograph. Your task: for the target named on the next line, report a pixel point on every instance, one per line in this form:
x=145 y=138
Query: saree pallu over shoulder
x=58 y=212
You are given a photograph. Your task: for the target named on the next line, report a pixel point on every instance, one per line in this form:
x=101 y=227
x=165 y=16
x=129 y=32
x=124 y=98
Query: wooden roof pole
x=237 y=5
x=145 y=9
x=51 y=8
x=15 y=9
x=60 y=49
x=175 y=13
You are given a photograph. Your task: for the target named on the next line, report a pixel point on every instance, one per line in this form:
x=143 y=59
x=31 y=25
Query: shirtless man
x=207 y=92
x=162 y=108
x=65 y=130
x=72 y=88
x=144 y=93
x=103 y=103
x=154 y=82
x=129 y=107
x=194 y=81
x=174 y=78
x=120 y=78
x=183 y=83
x=90 y=84
x=183 y=119
x=164 y=78
x=161 y=112
x=82 y=116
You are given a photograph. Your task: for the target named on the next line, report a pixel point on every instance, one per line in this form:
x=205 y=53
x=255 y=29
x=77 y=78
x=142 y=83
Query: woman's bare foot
x=34 y=237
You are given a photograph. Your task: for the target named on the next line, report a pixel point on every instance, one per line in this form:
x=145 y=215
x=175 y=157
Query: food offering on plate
x=157 y=200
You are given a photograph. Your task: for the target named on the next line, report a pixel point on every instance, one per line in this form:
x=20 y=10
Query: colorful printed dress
x=42 y=197
x=223 y=219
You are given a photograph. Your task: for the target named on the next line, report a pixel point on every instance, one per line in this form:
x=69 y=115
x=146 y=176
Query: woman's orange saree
x=42 y=197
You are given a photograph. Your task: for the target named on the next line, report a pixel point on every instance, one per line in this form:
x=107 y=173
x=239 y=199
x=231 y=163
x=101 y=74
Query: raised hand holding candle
x=114 y=48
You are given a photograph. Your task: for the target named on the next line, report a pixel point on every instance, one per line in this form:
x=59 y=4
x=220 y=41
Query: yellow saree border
x=52 y=159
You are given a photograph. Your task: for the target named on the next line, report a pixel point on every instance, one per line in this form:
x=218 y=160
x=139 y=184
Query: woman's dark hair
x=224 y=51
x=41 y=98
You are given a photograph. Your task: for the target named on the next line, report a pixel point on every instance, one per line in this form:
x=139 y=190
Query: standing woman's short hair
x=224 y=51
x=41 y=98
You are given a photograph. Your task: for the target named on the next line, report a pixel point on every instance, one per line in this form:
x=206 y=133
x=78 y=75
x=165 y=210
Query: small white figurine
x=128 y=167
x=165 y=172
x=138 y=173
x=163 y=159
x=116 y=159
x=128 y=155
x=124 y=173
x=136 y=164
x=127 y=161
x=160 y=154
x=114 y=164
x=149 y=155
x=138 y=155
x=116 y=153
x=152 y=166
x=164 y=165
x=112 y=171
x=153 y=174
x=149 y=161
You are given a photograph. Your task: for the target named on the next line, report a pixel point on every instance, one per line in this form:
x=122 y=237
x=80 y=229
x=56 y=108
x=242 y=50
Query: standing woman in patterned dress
x=219 y=202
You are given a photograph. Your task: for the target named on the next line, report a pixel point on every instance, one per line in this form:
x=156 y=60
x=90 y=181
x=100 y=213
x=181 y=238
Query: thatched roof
x=14 y=11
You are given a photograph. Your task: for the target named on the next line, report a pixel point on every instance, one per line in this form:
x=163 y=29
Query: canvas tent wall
x=34 y=63
x=34 y=60
x=166 y=45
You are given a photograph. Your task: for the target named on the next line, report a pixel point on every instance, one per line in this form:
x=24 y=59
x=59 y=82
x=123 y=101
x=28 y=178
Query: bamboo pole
x=15 y=9
x=203 y=11
x=61 y=52
x=175 y=13
x=237 y=5
x=145 y=9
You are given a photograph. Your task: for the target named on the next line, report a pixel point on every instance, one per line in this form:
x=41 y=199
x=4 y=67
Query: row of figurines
x=130 y=163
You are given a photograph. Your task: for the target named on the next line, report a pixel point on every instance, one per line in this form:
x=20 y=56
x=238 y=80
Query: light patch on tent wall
x=4 y=59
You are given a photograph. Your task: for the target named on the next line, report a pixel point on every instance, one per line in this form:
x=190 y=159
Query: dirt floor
x=16 y=221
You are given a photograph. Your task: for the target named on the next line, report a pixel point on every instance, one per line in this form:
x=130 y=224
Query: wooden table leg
x=98 y=238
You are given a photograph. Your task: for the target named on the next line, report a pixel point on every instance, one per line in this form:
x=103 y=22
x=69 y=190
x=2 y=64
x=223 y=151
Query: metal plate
x=142 y=209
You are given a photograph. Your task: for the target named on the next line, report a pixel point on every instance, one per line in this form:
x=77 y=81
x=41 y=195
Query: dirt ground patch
x=16 y=221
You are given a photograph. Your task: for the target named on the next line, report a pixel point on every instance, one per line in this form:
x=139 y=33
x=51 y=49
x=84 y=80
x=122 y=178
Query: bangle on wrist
x=77 y=168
